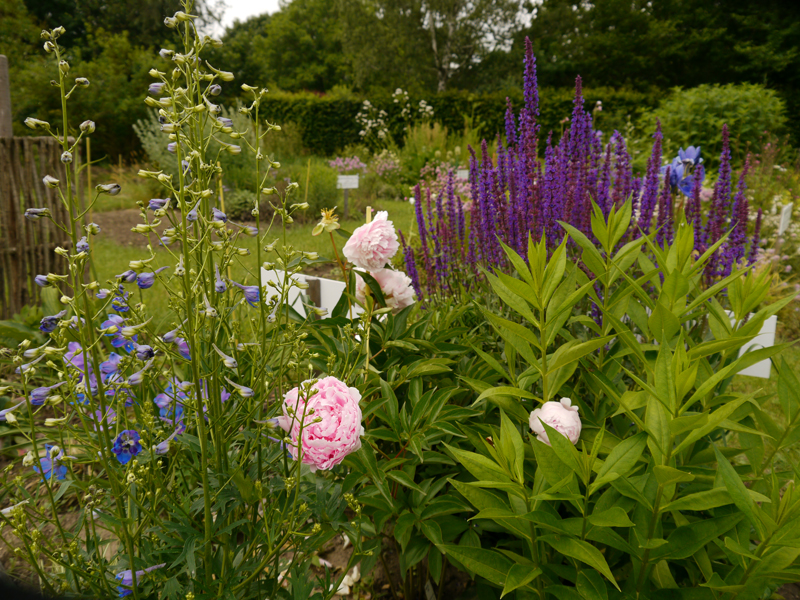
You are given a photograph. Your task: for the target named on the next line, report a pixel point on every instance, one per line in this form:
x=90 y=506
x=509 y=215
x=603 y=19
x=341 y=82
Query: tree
x=434 y=39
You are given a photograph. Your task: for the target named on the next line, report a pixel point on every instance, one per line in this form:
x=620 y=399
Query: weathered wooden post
x=6 y=130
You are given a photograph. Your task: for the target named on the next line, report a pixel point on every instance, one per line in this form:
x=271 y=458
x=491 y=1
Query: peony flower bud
x=561 y=416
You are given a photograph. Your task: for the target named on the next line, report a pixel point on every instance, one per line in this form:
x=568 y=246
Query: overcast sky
x=242 y=9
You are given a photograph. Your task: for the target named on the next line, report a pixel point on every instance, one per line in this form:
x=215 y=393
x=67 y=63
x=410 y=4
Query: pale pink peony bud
x=561 y=416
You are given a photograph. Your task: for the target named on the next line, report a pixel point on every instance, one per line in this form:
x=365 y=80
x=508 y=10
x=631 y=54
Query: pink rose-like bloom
x=395 y=285
x=561 y=416
x=332 y=427
x=373 y=244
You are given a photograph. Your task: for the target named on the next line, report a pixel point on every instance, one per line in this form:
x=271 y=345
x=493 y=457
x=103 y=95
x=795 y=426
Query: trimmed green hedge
x=328 y=123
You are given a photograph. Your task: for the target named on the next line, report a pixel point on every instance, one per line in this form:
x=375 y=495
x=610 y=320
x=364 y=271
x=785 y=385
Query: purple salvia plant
x=511 y=125
x=647 y=203
x=735 y=247
x=751 y=258
x=664 y=222
x=720 y=206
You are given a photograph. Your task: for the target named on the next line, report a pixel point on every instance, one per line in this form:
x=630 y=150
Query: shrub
x=690 y=115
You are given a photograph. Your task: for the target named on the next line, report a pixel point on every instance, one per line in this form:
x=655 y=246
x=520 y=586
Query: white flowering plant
x=178 y=465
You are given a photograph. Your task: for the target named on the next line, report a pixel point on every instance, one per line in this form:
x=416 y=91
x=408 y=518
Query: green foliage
x=695 y=117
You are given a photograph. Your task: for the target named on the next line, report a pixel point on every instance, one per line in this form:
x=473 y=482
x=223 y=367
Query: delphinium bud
x=166 y=54
x=36 y=123
x=112 y=189
x=50 y=181
x=66 y=157
x=87 y=127
x=171 y=22
x=82 y=81
x=49 y=46
x=63 y=66
x=215 y=90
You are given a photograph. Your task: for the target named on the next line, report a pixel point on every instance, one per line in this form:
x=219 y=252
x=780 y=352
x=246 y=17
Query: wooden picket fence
x=27 y=247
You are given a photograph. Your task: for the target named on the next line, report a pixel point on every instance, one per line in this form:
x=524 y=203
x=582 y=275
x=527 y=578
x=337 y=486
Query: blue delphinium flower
x=250 y=293
x=157 y=203
x=82 y=245
x=127 y=445
x=156 y=88
x=51 y=465
x=126 y=577
x=40 y=394
x=128 y=276
x=146 y=280
x=218 y=215
x=172 y=147
x=102 y=294
x=49 y=324
x=144 y=352
x=183 y=348
x=120 y=302
x=41 y=280
x=219 y=285
x=34 y=214
x=112 y=364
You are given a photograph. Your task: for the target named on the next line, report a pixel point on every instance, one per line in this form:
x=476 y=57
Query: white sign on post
x=462 y=174
x=764 y=339
x=330 y=291
x=786 y=218
x=347 y=182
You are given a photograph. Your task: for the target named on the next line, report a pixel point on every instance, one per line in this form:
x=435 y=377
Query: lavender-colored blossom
x=102 y=294
x=157 y=203
x=82 y=245
x=735 y=247
x=39 y=395
x=665 y=218
x=172 y=147
x=5 y=411
x=219 y=284
x=111 y=365
x=183 y=348
x=144 y=352
x=41 y=280
x=49 y=324
x=751 y=258
x=156 y=89
x=126 y=446
x=128 y=276
x=690 y=156
x=103 y=420
x=192 y=216
x=126 y=577
x=250 y=293
x=34 y=214
x=146 y=280
x=218 y=215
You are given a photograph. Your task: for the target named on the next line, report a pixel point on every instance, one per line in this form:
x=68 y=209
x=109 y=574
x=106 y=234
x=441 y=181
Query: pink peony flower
x=373 y=244
x=332 y=420
x=561 y=416
x=395 y=285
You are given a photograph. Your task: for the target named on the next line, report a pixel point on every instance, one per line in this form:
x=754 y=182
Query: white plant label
x=462 y=174
x=347 y=182
x=786 y=218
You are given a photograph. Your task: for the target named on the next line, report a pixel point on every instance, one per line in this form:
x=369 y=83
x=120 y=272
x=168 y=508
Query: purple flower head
x=34 y=214
x=128 y=276
x=156 y=89
x=5 y=411
x=75 y=356
x=40 y=394
x=120 y=302
x=41 y=280
x=250 y=293
x=113 y=321
x=144 y=352
x=172 y=147
x=101 y=421
x=82 y=245
x=163 y=447
x=219 y=285
x=49 y=324
x=183 y=348
x=650 y=194
x=102 y=294
x=756 y=238
x=218 y=215
x=511 y=126
x=146 y=280
x=157 y=203
x=50 y=465
x=126 y=446
x=192 y=216
x=531 y=86
x=111 y=365
x=225 y=122
x=126 y=577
